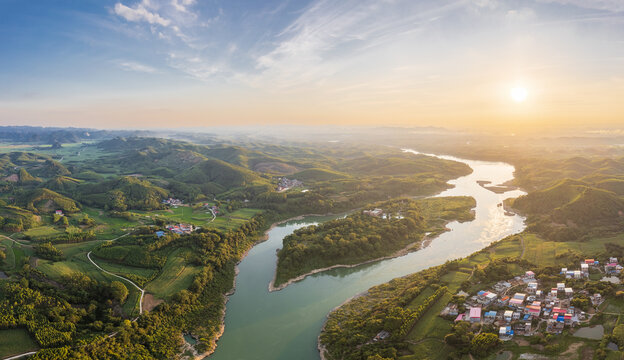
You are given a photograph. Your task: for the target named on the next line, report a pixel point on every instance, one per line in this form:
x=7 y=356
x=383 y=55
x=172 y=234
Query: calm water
x=285 y=324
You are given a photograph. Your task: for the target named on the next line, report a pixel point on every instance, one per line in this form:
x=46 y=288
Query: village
x=522 y=307
x=285 y=184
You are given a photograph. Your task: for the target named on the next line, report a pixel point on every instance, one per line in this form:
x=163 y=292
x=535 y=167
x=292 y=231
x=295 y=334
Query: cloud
x=182 y=5
x=609 y=5
x=141 y=13
x=135 y=67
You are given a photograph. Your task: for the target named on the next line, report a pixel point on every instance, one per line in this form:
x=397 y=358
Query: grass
x=77 y=262
x=47 y=232
x=175 y=276
x=15 y=341
x=543 y=252
x=9 y=262
x=125 y=270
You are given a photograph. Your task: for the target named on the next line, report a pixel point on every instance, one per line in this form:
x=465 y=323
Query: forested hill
x=51 y=135
x=366 y=236
x=575 y=198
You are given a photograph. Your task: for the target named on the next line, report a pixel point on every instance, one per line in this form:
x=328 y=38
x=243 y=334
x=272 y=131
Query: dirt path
x=123 y=278
x=21 y=355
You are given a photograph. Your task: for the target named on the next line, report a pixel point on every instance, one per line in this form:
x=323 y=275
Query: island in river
x=386 y=229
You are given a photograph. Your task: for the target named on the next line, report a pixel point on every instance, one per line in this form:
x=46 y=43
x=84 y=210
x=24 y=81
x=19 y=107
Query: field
x=76 y=261
x=176 y=275
x=15 y=341
x=202 y=217
x=543 y=252
x=15 y=255
x=42 y=232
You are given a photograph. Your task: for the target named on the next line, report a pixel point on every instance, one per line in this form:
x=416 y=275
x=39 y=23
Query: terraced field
x=176 y=275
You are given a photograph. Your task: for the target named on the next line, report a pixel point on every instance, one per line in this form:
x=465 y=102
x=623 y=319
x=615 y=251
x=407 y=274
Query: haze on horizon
x=193 y=63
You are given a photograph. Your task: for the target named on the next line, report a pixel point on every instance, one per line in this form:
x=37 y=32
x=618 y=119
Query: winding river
x=285 y=324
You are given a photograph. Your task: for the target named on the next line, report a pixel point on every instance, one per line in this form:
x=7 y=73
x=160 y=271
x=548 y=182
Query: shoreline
x=411 y=247
x=264 y=237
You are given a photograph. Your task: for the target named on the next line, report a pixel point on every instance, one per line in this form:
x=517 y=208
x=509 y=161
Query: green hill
x=316 y=174
x=593 y=207
x=401 y=164
x=221 y=173
x=62 y=184
x=545 y=201
x=122 y=194
x=46 y=201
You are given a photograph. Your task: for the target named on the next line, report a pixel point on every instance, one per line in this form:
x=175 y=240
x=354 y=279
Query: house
x=160 y=233
x=568 y=292
x=459 y=318
x=516 y=302
x=375 y=212
x=532 y=287
x=576 y=274
x=505 y=333
x=383 y=335
x=504 y=300
x=508 y=315
x=613 y=260
x=501 y=286
x=560 y=286
x=555 y=327
x=529 y=275
x=490 y=316
x=534 y=309
x=563 y=271
x=516 y=315
x=59 y=212
x=613 y=268
x=585 y=268
x=489 y=297
x=539 y=294
x=475 y=314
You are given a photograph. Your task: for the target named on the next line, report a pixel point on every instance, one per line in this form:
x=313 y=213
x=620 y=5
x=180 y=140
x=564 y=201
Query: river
x=285 y=324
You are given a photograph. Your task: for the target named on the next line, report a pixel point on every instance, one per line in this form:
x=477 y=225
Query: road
x=123 y=278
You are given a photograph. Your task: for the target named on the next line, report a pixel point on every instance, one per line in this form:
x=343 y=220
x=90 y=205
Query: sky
x=202 y=63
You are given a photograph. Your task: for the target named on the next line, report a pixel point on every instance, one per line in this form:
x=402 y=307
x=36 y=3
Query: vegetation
x=115 y=189
x=362 y=237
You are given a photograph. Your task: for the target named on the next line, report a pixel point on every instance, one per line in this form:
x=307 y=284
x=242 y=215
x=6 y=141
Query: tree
x=618 y=334
x=119 y=291
x=483 y=343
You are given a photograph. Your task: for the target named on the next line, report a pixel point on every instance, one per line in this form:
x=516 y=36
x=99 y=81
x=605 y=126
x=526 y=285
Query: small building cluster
x=286 y=184
x=375 y=212
x=59 y=212
x=172 y=202
x=181 y=229
x=522 y=306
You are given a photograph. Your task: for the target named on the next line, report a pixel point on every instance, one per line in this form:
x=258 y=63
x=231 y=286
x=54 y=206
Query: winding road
x=122 y=278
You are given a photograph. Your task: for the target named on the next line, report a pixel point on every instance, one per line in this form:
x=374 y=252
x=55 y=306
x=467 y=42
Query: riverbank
x=411 y=247
x=272 y=325
x=424 y=242
x=264 y=237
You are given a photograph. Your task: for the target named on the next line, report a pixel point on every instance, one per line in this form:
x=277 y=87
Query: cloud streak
x=135 y=67
x=140 y=13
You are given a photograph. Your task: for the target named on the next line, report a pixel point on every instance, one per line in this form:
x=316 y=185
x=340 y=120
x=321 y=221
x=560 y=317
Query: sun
x=518 y=94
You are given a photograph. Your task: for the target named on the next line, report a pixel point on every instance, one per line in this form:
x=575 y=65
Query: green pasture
x=15 y=341
x=175 y=276
x=46 y=232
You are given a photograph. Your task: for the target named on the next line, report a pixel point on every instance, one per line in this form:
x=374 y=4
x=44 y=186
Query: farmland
x=15 y=341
